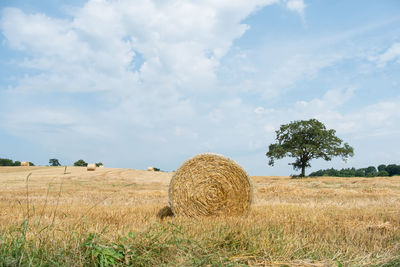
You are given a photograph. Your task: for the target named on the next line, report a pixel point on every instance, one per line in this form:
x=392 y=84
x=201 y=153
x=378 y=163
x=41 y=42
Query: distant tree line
x=82 y=163
x=78 y=163
x=10 y=162
x=371 y=171
x=52 y=162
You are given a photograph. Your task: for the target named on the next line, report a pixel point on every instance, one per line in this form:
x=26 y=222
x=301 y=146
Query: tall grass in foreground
x=55 y=221
x=199 y=242
x=160 y=245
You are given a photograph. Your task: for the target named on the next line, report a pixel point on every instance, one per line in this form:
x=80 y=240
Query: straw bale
x=150 y=169
x=91 y=167
x=210 y=185
x=25 y=163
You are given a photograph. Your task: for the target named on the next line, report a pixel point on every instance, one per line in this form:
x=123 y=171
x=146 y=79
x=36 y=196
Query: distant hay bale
x=150 y=169
x=210 y=185
x=101 y=166
x=91 y=167
x=25 y=163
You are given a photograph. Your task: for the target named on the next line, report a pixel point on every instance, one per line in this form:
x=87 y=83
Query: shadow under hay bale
x=165 y=212
x=210 y=185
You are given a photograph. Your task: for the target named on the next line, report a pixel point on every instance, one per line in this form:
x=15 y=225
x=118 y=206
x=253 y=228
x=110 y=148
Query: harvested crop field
x=108 y=216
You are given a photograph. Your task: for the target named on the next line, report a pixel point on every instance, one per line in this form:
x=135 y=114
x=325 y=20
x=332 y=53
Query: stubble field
x=74 y=217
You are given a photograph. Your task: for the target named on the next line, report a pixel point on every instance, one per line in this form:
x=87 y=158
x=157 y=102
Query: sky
x=138 y=83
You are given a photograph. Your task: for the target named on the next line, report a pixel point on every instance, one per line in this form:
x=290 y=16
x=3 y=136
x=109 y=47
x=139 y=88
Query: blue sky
x=151 y=83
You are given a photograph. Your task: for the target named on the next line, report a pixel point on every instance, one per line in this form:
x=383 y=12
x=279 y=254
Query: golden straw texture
x=210 y=184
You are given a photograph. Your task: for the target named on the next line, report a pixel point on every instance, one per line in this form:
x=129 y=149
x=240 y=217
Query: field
x=74 y=217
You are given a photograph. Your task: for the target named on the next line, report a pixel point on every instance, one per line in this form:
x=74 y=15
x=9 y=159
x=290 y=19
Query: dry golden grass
x=298 y=222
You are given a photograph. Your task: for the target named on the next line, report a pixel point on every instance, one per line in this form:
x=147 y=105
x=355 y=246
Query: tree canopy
x=306 y=140
x=80 y=163
x=6 y=162
x=54 y=162
x=362 y=172
x=10 y=162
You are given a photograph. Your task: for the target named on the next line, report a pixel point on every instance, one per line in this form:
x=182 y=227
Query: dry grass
x=297 y=222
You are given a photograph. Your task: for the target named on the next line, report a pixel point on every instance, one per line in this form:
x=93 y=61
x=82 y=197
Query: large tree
x=306 y=140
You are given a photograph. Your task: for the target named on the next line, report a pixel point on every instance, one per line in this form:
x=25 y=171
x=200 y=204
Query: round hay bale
x=210 y=185
x=91 y=167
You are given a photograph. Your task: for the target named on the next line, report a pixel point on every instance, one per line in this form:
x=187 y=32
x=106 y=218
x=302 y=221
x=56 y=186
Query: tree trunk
x=303 y=168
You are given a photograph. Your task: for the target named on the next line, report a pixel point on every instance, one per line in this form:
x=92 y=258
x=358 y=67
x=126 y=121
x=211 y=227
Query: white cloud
x=49 y=122
x=144 y=67
x=391 y=54
x=331 y=100
x=368 y=121
x=379 y=119
x=262 y=111
x=298 y=67
x=296 y=5
x=276 y=76
x=181 y=42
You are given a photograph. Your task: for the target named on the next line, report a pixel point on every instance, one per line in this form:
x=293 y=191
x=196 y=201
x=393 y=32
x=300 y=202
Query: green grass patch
x=161 y=244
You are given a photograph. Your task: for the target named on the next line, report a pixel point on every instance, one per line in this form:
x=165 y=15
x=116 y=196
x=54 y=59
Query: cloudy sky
x=137 y=83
